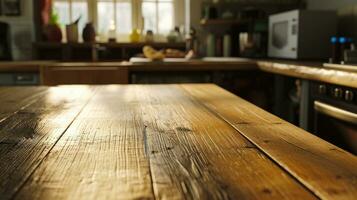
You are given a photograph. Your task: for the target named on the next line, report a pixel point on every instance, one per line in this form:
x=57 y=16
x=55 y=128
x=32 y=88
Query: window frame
x=137 y=16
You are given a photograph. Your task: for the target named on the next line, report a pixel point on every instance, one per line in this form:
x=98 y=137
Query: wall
x=195 y=13
x=329 y=4
x=311 y=4
x=22 y=31
x=347 y=13
x=348 y=21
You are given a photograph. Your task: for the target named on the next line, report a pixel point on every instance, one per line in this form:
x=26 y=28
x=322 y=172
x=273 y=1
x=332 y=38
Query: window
x=70 y=10
x=156 y=15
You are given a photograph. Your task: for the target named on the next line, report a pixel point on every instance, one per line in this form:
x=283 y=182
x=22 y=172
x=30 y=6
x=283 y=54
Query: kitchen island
x=59 y=73
x=190 y=141
x=55 y=73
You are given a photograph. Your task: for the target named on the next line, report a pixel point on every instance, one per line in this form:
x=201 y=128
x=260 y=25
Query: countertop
x=310 y=71
x=159 y=142
x=23 y=66
x=299 y=69
x=167 y=64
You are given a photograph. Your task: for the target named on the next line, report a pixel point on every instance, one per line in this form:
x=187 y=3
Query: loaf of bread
x=153 y=54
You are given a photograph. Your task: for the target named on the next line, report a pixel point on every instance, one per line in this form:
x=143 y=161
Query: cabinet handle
x=336 y=113
x=24 y=78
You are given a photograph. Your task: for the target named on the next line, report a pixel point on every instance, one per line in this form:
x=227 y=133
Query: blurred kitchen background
x=229 y=28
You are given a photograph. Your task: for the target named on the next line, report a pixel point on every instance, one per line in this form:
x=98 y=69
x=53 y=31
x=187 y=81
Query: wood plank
x=101 y=156
x=12 y=99
x=328 y=171
x=196 y=155
x=126 y=132
x=27 y=136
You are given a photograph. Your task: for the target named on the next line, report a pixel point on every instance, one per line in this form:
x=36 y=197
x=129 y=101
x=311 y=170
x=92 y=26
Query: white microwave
x=301 y=34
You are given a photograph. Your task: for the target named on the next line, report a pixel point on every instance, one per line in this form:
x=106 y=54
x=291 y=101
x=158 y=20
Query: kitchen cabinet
x=170 y=77
x=19 y=78
x=93 y=74
x=21 y=72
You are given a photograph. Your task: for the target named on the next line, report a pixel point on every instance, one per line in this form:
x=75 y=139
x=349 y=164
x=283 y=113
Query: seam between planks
x=147 y=154
x=32 y=100
x=49 y=151
x=149 y=161
x=253 y=143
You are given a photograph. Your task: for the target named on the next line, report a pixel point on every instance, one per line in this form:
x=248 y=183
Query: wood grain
x=162 y=142
x=195 y=155
x=328 y=171
x=28 y=135
x=101 y=156
x=12 y=99
x=149 y=142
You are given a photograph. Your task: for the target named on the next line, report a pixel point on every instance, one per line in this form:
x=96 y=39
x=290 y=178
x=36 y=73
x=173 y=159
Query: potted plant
x=52 y=31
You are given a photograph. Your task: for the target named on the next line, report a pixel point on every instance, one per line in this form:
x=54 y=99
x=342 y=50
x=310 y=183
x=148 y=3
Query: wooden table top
x=159 y=142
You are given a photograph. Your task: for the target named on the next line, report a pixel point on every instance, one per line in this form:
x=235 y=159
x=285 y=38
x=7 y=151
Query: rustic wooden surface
x=159 y=142
x=323 y=168
x=310 y=72
x=27 y=136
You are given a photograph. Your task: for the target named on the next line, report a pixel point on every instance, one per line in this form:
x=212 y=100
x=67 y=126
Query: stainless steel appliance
x=335 y=115
x=301 y=34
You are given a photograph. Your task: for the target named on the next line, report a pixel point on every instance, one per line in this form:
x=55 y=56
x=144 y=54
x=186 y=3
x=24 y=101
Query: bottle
x=219 y=46
x=227 y=45
x=343 y=46
x=210 y=51
x=88 y=33
x=149 y=36
x=135 y=35
x=178 y=34
x=348 y=50
x=112 y=32
x=172 y=36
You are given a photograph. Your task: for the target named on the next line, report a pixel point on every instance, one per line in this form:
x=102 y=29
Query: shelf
x=97 y=51
x=229 y=22
x=111 y=44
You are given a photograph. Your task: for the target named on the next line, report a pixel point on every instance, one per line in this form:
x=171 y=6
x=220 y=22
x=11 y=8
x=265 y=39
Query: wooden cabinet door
x=54 y=75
